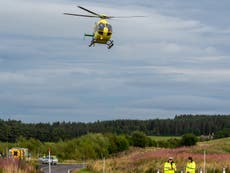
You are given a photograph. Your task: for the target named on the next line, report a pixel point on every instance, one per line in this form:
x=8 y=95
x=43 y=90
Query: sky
x=174 y=61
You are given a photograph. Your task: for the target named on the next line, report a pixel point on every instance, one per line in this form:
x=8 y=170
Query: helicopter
x=102 y=30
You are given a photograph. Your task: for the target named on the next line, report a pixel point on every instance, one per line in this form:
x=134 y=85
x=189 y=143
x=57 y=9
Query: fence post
x=224 y=170
x=201 y=171
x=103 y=164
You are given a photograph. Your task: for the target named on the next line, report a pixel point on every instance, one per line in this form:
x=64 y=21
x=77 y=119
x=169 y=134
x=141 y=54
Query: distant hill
x=219 y=125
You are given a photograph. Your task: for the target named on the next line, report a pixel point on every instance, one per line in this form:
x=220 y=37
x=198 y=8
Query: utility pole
x=204 y=161
x=7 y=144
x=49 y=162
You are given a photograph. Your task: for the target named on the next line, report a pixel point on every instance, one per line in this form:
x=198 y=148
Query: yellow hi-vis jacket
x=169 y=168
x=190 y=167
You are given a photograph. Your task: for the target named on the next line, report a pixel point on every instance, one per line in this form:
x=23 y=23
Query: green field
x=164 y=138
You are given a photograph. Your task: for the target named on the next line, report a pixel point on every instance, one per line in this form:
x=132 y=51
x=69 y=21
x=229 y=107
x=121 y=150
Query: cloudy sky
x=174 y=61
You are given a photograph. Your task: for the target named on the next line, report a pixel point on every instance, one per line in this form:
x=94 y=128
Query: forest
x=218 y=125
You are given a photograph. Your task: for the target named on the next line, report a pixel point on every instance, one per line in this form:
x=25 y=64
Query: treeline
x=219 y=125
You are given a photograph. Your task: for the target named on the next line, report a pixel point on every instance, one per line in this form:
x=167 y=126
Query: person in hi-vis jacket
x=190 y=166
x=170 y=166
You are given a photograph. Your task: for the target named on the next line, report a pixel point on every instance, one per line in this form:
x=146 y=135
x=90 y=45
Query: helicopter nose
x=105 y=31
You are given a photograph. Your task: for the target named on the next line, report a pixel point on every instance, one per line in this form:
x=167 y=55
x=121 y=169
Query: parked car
x=40 y=159
x=52 y=160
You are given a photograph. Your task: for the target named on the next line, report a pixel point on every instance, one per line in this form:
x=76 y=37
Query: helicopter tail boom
x=88 y=35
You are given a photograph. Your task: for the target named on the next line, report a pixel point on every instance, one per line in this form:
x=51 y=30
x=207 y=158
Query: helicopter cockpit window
x=101 y=26
x=109 y=27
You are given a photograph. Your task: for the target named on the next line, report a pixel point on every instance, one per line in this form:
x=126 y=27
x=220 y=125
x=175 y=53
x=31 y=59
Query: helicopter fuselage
x=102 y=32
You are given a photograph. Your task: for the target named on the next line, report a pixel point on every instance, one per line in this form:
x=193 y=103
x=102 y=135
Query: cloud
x=175 y=60
x=183 y=103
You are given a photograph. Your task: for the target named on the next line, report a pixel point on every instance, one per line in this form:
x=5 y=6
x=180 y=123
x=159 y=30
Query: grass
x=83 y=171
x=217 y=146
x=149 y=159
x=12 y=165
x=164 y=138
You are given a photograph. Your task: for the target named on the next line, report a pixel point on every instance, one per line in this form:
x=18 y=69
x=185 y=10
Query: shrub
x=173 y=142
x=189 y=139
x=139 y=139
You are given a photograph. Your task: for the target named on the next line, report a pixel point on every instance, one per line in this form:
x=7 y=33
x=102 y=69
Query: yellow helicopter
x=102 y=30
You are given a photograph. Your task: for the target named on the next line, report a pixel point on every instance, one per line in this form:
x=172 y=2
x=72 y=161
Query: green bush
x=117 y=143
x=139 y=139
x=173 y=142
x=163 y=144
x=189 y=139
x=223 y=133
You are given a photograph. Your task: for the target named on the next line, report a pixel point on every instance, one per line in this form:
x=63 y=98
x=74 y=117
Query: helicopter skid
x=92 y=43
x=109 y=44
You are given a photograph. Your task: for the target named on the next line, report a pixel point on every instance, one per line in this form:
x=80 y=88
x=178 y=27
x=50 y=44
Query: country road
x=61 y=168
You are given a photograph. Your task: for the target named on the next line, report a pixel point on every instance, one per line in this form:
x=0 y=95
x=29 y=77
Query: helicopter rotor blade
x=96 y=15
x=89 y=11
x=111 y=17
x=80 y=15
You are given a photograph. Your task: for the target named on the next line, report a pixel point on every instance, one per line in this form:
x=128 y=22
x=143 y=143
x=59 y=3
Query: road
x=60 y=168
